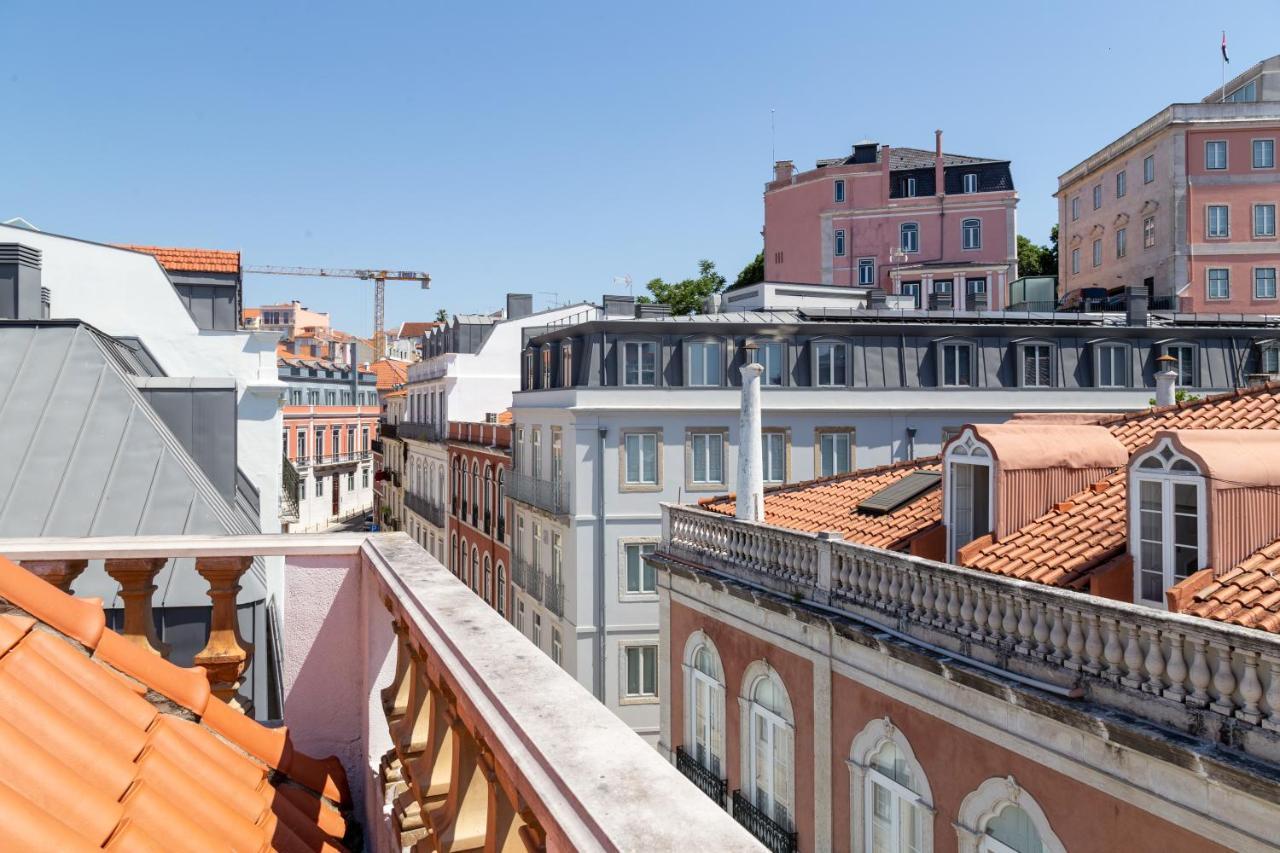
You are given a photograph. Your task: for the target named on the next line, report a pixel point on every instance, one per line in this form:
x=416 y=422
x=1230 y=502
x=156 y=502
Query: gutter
x=598 y=680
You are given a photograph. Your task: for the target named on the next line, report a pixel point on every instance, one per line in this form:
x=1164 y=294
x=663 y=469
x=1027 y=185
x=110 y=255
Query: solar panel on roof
x=900 y=493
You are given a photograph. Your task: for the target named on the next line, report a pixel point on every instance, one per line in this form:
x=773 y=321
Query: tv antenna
x=625 y=281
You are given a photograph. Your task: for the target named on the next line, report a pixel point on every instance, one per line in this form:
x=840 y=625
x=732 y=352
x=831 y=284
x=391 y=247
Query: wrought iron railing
x=387 y=430
x=422 y=432
x=553 y=595
x=708 y=782
x=769 y=832
x=528 y=577
x=548 y=495
x=289 y=480
x=423 y=507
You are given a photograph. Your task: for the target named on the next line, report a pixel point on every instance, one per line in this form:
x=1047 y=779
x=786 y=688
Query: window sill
x=638 y=700
x=704 y=487
x=640 y=487
x=638 y=597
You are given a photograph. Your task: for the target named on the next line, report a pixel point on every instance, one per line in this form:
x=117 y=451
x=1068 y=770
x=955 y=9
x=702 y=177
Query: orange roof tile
x=415 y=329
x=831 y=504
x=390 y=373
x=88 y=762
x=1248 y=594
x=190 y=260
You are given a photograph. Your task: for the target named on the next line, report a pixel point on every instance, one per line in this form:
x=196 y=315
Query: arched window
x=704 y=705
x=769 y=742
x=1001 y=817
x=501 y=599
x=475 y=492
x=487 y=592
x=971 y=233
x=474 y=581
x=909 y=237
x=488 y=489
x=453 y=555
x=501 y=502
x=968 y=506
x=892 y=805
x=1167 y=521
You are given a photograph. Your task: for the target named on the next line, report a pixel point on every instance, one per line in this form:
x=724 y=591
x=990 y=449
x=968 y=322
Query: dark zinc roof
x=900 y=493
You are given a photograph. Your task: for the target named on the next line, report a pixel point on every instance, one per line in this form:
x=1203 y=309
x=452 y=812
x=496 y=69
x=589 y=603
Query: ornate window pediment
x=1121 y=221
x=1075 y=240
x=1097 y=231
x=1149 y=207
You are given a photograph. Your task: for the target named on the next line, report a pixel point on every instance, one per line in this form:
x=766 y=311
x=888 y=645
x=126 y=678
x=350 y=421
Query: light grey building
x=617 y=415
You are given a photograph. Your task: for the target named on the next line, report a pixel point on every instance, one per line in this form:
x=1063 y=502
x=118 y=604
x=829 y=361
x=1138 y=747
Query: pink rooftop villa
x=1184 y=204
x=939 y=227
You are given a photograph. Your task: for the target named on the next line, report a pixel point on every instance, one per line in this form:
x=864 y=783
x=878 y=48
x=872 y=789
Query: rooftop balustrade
x=455 y=731
x=485 y=434
x=1208 y=679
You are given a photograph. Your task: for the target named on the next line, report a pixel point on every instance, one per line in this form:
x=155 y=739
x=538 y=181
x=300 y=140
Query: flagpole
x=1224 y=67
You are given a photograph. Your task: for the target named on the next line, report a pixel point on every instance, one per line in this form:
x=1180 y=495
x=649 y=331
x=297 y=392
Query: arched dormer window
x=768 y=744
x=909 y=236
x=704 y=704
x=892 y=804
x=704 y=363
x=1167 y=521
x=969 y=509
x=1001 y=817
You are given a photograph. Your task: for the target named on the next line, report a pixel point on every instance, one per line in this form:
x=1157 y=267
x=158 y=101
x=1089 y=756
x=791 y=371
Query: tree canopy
x=686 y=296
x=1034 y=259
x=442 y=316
x=753 y=272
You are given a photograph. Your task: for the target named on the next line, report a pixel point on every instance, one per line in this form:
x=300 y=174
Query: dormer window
x=528 y=370
x=1269 y=356
x=1186 y=363
x=909 y=187
x=969 y=473
x=639 y=363
x=1035 y=365
x=971 y=182
x=704 y=363
x=1167 y=521
x=566 y=365
x=957 y=364
x=546 y=367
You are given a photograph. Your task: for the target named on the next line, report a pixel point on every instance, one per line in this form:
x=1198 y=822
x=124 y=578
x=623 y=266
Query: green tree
x=1034 y=259
x=442 y=316
x=753 y=272
x=687 y=296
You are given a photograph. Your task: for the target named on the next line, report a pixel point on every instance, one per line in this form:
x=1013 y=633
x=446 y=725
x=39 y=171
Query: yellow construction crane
x=380 y=279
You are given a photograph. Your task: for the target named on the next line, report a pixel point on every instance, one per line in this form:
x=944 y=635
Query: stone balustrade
x=455 y=731
x=1207 y=678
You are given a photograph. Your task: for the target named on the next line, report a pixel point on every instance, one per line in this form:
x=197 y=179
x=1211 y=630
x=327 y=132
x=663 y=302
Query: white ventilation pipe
x=750 y=499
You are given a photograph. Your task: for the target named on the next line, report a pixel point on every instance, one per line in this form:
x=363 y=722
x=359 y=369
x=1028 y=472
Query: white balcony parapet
x=455 y=731
x=1215 y=681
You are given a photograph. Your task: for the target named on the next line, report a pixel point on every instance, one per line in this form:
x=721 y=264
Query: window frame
x=715 y=691
x=1226 y=163
x=1148 y=168
x=1099 y=348
x=624 y=361
x=1264 y=235
x=1097 y=196
x=851 y=437
x=836 y=345
x=1209 y=222
x=625 y=697
x=1166 y=348
x=1210 y=280
x=966 y=449
x=867 y=265
x=640 y=486
x=1122 y=183
x=1075 y=261
x=1167 y=478
x=625 y=592
x=1075 y=208
x=940 y=362
x=773 y=345
x=765 y=434
x=1273 y=294
x=1148 y=232
x=909 y=187
x=777 y=723
x=838 y=243
x=970 y=227
x=566 y=365
x=1097 y=252
x=1051 y=355
x=1253 y=152
x=689 y=346
x=912 y=228
x=1122 y=242
x=866 y=745
x=969 y=183
x=838 y=191
x=691 y=436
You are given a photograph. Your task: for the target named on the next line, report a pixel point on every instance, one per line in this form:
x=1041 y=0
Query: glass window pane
x=633 y=671
x=633 y=568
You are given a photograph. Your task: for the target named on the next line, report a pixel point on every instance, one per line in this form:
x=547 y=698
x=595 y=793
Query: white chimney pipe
x=750 y=500
x=1166 y=387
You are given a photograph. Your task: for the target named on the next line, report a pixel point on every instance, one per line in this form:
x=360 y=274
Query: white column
x=750 y=501
x=1166 y=387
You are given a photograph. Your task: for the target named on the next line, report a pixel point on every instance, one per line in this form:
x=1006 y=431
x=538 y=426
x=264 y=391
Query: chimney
x=1166 y=381
x=21 y=296
x=783 y=170
x=1136 y=303
x=519 y=305
x=750 y=500
x=939 y=177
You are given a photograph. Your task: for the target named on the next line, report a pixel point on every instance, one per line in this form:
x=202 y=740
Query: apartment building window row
x=1149 y=168
x=1215 y=154
x=1264 y=220
x=1264 y=153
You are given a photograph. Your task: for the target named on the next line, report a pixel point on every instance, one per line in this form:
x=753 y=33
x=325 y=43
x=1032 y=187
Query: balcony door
x=337 y=480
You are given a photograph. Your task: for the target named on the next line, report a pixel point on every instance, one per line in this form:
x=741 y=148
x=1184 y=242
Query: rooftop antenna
x=625 y=281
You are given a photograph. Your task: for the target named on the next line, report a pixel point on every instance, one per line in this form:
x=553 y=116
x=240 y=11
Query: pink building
x=905 y=220
x=1185 y=204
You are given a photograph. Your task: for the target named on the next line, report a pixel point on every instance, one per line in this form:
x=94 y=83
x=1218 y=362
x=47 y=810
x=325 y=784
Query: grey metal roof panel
x=901 y=492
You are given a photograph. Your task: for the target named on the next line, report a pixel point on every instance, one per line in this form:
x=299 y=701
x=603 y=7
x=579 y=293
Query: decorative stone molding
x=865 y=745
x=979 y=807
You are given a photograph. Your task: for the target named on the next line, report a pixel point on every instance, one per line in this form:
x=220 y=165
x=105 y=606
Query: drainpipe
x=750 y=499
x=597 y=681
x=1166 y=381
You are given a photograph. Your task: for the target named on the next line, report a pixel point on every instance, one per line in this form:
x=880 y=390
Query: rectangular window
x=302 y=444
x=769 y=356
x=557 y=646
x=1215 y=154
x=1037 y=370
x=1148 y=232
x=335 y=441
x=295 y=397
x=955 y=365
x=641 y=577
x=641 y=449
x=351 y=481
x=520 y=615
x=839 y=191
x=1149 y=169
x=1264 y=283
x=971 y=182
x=970 y=503
x=829 y=364
x=909 y=187
x=566 y=366
x=773 y=446
x=1217 y=220
x=319 y=442
x=1168 y=534
x=364 y=438
x=1186 y=363
x=364 y=478
x=1264 y=220
x=639 y=363
x=1271 y=360
x=557 y=455
x=839 y=242
x=1264 y=153
x=1121 y=181
x=536 y=634
x=1121 y=241
x=1075 y=208
x=707 y=449
x=351 y=439
x=535 y=453
x=1113 y=366
x=704 y=363
x=1075 y=261
x=1097 y=196
x=546 y=368
x=642 y=671
x=866 y=271
x=1219 y=284
x=833 y=454
x=319 y=487
x=909 y=233
x=1097 y=253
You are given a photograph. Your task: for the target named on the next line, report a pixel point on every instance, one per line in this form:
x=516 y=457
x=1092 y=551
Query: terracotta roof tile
x=415 y=329
x=191 y=260
x=87 y=763
x=390 y=373
x=1248 y=594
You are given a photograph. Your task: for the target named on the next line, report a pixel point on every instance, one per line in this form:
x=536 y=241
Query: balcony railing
x=421 y=432
x=377 y=445
x=486 y=434
x=460 y=750
x=423 y=507
x=527 y=577
x=553 y=594
x=387 y=430
x=547 y=495
x=288 y=490
x=710 y=783
x=1206 y=678
x=770 y=833
x=346 y=458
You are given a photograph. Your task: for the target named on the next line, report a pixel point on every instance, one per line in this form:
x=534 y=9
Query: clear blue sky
x=546 y=147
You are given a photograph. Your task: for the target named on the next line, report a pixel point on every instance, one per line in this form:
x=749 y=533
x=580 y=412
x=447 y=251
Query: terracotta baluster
x=137 y=585
x=60 y=573
x=227 y=654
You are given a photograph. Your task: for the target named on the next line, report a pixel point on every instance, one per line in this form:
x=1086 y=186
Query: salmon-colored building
x=1062 y=633
x=1183 y=204
x=939 y=227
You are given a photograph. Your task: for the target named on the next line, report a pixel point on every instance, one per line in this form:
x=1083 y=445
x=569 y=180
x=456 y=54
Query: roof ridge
x=1270 y=386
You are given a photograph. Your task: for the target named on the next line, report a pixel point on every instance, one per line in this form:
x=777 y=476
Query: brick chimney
x=783 y=170
x=938 y=176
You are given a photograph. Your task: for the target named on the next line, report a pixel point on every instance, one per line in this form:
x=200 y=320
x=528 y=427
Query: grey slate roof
x=913 y=158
